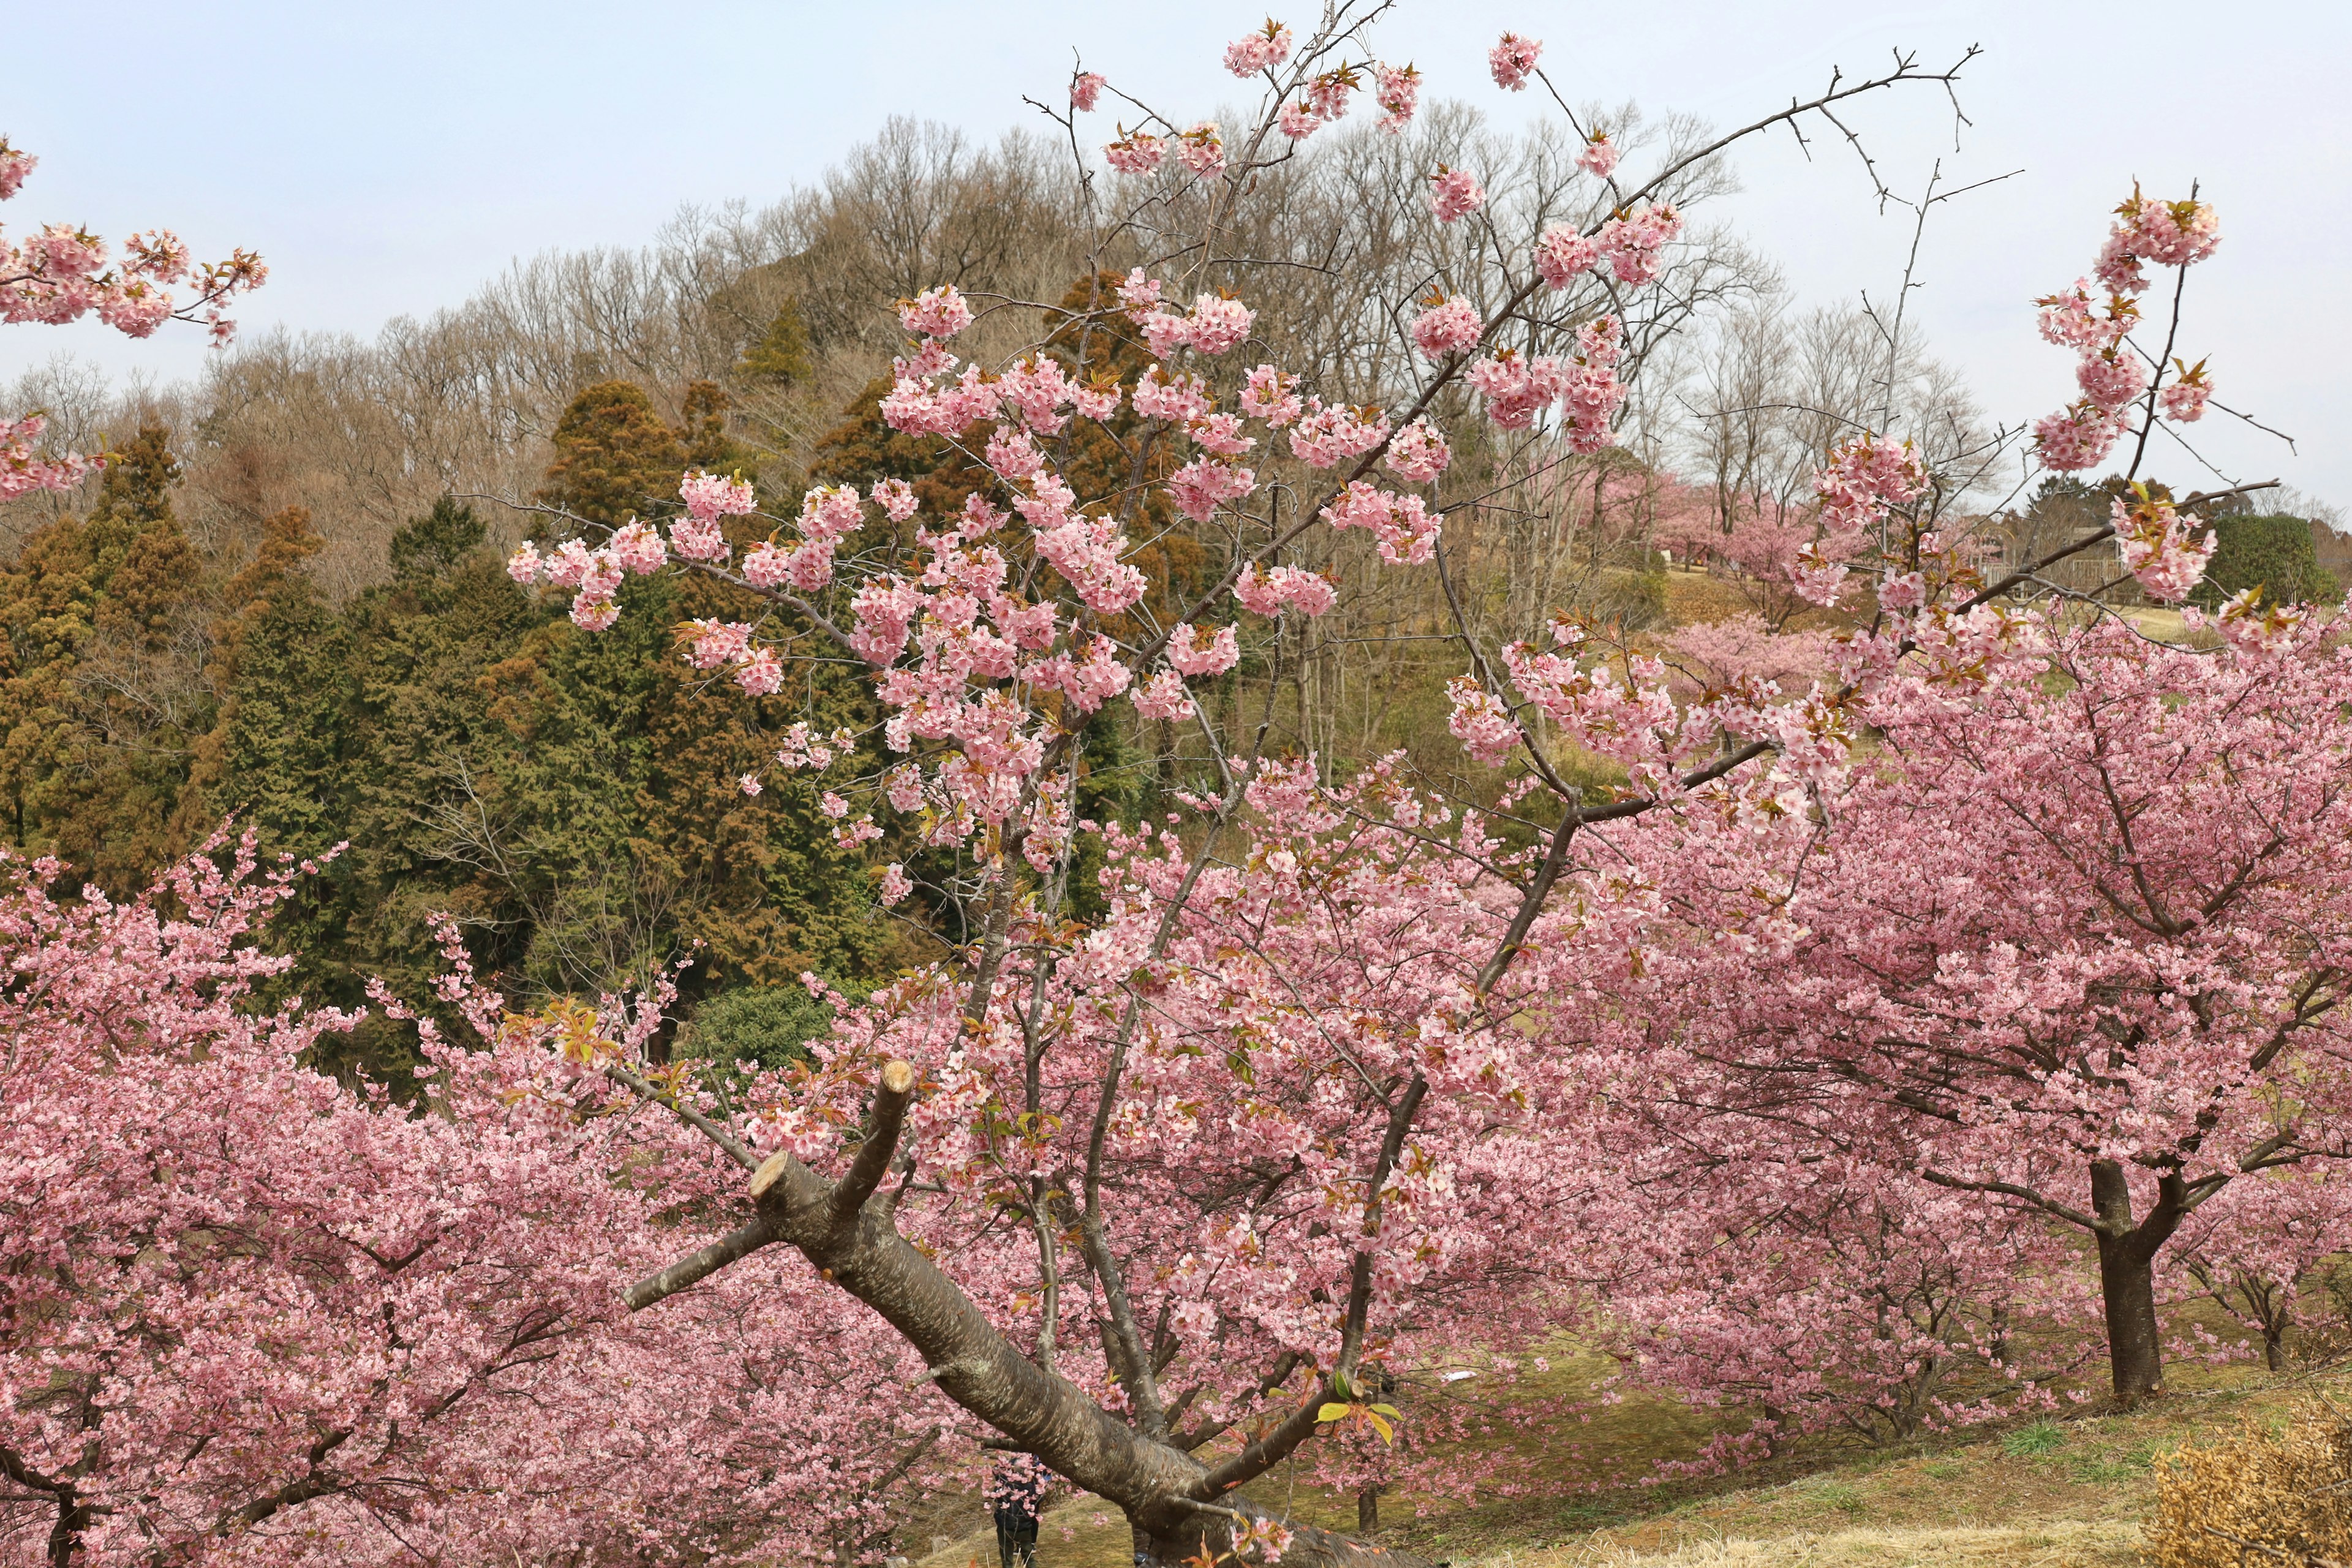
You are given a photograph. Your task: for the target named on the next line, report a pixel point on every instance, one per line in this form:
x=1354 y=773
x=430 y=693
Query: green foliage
x=769 y=1026
x=615 y=457
x=429 y=545
x=782 y=356
x=1636 y=598
x=448 y=744
x=2028 y=1442
x=2273 y=553
x=102 y=699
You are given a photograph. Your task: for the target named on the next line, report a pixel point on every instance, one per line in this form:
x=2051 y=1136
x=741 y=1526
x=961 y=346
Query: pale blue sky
x=389 y=159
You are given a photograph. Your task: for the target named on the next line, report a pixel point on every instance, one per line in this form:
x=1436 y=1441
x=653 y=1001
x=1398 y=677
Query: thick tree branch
x=699 y=1266
x=872 y=1162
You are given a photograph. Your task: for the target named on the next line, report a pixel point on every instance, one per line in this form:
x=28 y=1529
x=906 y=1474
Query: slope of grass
x=2064 y=1490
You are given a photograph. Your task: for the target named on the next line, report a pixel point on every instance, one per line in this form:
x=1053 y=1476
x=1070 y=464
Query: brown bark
x=1195 y=1530
x=1176 y=1505
x=2127 y=1277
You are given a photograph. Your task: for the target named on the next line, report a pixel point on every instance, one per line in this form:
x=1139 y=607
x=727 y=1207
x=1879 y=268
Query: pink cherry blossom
x=405 y=1274
x=2158 y=550
x=1397 y=93
x=1163 y=696
x=698 y=538
x=2184 y=400
x=1271 y=395
x=2075 y=438
x=1599 y=158
x=1563 y=255
x=637 y=550
x=2112 y=379
x=1323 y=436
x=715 y=643
x=1086 y=90
x=1203 y=149
x=1419 y=453
x=1516 y=388
x=60 y=273
x=1480 y=722
x=2173 y=234
x=938 y=313
x=1513 y=60
x=1908 y=591
x=594 y=611
x=1445 y=328
x=709 y=496
x=1179 y=398
x=1136 y=152
x=1632 y=244
x=1220 y=433
x=14 y=166
x=1268 y=592
x=1265 y=50
x=1360 y=966
x=1219 y=324
x=1453 y=193
x=1406 y=529
x=1200 y=486
x=1194 y=654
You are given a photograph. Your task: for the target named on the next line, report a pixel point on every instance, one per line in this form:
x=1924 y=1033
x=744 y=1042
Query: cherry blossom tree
x=2074 y=945
x=2252 y=1255
x=1824 y=1294
x=1160 y=1196
x=62 y=273
x=249 y=1313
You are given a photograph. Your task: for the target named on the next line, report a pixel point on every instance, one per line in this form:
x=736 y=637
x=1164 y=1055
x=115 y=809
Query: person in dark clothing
x=1017 y=1490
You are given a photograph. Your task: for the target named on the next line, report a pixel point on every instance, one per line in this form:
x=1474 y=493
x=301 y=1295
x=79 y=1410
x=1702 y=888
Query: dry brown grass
x=2063 y=1544
x=2259 y=1494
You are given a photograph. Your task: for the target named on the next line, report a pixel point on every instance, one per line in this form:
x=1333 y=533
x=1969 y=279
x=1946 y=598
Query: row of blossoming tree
x=1799 y=1063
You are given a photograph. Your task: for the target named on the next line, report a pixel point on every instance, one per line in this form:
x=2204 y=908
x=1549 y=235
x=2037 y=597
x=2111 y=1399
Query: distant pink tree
x=2252 y=1257
x=2075 y=946
x=1828 y=1294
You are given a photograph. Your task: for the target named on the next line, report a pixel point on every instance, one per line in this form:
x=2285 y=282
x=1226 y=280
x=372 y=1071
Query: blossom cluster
x=2110 y=371
x=637 y=550
x=1518 y=389
x=1513 y=60
x=1863 y=480
x=61 y=273
x=2158 y=546
x=22 y=466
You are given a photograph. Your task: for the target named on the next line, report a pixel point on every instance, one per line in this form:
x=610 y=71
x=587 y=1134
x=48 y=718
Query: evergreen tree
x=616 y=458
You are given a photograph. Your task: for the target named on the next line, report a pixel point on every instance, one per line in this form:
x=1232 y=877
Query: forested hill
x=570 y=800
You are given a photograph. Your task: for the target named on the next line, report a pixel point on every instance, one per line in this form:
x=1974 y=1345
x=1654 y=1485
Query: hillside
x=2072 y=1490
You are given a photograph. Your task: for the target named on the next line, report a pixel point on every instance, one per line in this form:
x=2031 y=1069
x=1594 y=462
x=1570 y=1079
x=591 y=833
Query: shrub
x=769 y=1025
x=2254 y=1495
x=2273 y=553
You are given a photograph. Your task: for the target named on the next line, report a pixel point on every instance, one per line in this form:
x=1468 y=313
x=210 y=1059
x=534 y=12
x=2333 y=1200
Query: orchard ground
x=2066 y=1490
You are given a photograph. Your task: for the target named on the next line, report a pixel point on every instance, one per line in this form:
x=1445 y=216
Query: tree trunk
x=1368 y=1510
x=1183 y=1534
x=2127 y=1277
x=1178 y=1507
